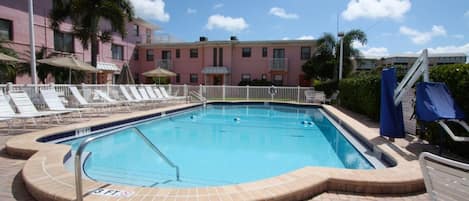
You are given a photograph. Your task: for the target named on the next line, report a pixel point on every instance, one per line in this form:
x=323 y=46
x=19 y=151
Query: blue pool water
x=220 y=145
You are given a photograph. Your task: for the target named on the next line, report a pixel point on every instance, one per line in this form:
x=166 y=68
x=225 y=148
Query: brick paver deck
x=344 y=196
x=12 y=186
x=11 y=182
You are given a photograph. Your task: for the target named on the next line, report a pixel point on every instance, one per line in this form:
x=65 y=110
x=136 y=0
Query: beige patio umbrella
x=69 y=62
x=159 y=72
x=4 y=57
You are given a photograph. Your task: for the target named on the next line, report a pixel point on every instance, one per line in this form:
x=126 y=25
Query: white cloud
x=375 y=52
x=370 y=51
x=280 y=12
x=191 y=11
x=466 y=14
x=357 y=44
x=450 y=49
x=305 y=37
x=151 y=9
x=227 y=23
x=218 y=5
x=458 y=36
x=419 y=37
x=394 y=9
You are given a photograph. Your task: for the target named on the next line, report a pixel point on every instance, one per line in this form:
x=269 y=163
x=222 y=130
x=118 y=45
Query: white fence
x=225 y=93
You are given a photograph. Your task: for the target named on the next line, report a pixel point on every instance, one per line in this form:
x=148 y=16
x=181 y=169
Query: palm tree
x=7 y=69
x=327 y=52
x=86 y=16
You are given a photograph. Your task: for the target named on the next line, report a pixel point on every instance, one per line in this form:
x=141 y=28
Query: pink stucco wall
x=256 y=65
x=17 y=12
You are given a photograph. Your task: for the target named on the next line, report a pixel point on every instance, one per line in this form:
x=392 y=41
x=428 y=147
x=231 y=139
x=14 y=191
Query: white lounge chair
x=26 y=107
x=112 y=101
x=146 y=97
x=82 y=102
x=53 y=102
x=166 y=95
x=152 y=94
x=445 y=179
x=135 y=93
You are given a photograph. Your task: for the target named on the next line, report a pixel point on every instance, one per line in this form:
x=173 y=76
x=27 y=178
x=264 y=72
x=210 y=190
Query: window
x=305 y=53
x=150 y=55
x=264 y=52
x=178 y=78
x=6 y=29
x=178 y=53
x=278 y=79
x=246 y=77
x=246 y=52
x=220 y=56
x=63 y=42
x=148 y=33
x=194 y=78
x=215 y=51
x=136 y=30
x=264 y=76
x=117 y=52
x=135 y=54
x=194 y=53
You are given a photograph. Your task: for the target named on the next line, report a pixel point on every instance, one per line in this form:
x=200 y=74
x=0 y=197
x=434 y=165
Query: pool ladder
x=84 y=143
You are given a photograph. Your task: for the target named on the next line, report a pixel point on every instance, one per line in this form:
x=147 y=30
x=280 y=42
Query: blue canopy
x=391 y=120
x=434 y=102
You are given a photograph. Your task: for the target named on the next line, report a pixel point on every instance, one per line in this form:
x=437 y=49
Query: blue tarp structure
x=434 y=102
x=391 y=119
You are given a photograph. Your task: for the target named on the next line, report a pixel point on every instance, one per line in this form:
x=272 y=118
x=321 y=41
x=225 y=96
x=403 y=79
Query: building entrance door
x=217 y=79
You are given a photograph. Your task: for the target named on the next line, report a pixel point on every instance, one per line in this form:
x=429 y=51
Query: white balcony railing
x=278 y=64
x=165 y=64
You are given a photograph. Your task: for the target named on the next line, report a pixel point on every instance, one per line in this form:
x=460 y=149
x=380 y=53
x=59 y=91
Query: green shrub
x=255 y=82
x=361 y=94
x=329 y=87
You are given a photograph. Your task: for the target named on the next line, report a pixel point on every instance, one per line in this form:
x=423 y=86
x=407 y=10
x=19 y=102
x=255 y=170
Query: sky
x=392 y=26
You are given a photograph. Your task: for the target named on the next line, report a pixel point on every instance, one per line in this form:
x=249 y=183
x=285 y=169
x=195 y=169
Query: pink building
x=228 y=62
x=14 y=28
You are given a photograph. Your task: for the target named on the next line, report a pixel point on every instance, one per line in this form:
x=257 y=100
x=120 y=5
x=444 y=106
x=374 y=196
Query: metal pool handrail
x=84 y=143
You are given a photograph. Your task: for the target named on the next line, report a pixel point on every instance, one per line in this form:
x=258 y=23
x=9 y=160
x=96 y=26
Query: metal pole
x=426 y=73
x=32 y=43
x=341 y=35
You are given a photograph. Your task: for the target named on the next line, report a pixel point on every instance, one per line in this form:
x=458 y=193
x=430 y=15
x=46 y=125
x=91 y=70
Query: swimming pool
x=221 y=145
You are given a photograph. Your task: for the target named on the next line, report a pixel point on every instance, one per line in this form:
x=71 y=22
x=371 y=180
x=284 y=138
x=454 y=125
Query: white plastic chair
x=309 y=95
x=445 y=179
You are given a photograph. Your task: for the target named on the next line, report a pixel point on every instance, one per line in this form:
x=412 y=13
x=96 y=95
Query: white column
x=223 y=91
x=32 y=44
x=298 y=95
x=247 y=92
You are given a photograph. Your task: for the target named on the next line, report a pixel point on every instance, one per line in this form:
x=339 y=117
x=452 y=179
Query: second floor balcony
x=165 y=64
x=278 y=64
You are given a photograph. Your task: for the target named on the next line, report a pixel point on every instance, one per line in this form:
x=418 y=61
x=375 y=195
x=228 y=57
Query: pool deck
x=46 y=178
